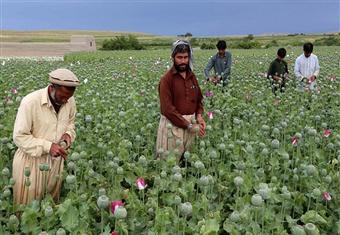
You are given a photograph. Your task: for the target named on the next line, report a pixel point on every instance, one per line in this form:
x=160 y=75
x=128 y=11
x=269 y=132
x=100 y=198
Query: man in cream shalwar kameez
x=38 y=129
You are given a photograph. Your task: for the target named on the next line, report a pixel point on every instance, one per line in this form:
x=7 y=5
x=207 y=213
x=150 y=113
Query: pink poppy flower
x=295 y=140
x=209 y=94
x=327 y=133
x=326 y=196
x=210 y=115
x=115 y=205
x=114 y=233
x=14 y=91
x=140 y=183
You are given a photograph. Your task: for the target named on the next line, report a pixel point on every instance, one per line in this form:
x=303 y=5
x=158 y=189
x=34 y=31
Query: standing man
x=307 y=68
x=180 y=102
x=221 y=62
x=43 y=130
x=278 y=71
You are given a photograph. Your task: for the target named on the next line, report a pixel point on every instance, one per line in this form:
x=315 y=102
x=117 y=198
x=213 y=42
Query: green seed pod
x=311 y=229
x=46 y=167
x=213 y=154
x=41 y=167
x=238 y=181
x=142 y=161
x=13 y=220
x=186 y=208
x=177 y=200
x=61 y=231
x=234 y=217
x=177 y=177
x=298 y=230
x=265 y=152
x=186 y=155
x=71 y=165
x=120 y=171
x=103 y=202
x=316 y=193
x=199 y=165
x=163 y=174
x=176 y=169
x=102 y=191
x=328 y=179
x=275 y=144
x=311 y=170
x=70 y=179
x=120 y=213
x=256 y=200
x=48 y=211
x=203 y=181
x=11 y=181
x=5 y=172
x=6 y=193
x=27 y=171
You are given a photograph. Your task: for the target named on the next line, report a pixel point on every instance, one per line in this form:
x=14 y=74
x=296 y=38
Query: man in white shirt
x=307 y=68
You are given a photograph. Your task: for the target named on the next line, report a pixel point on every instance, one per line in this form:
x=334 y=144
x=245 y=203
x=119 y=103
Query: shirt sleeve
x=227 y=70
x=297 y=69
x=209 y=67
x=167 y=108
x=317 y=67
x=199 y=109
x=22 y=133
x=71 y=129
x=270 y=70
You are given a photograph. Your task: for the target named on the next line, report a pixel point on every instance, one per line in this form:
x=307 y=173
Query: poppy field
x=267 y=165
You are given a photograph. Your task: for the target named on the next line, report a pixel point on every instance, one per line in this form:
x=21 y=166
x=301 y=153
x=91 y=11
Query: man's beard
x=54 y=98
x=181 y=67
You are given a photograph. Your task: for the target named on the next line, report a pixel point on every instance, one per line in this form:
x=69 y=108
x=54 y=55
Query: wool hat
x=64 y=77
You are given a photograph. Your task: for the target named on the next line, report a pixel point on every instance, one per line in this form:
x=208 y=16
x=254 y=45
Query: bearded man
x=43 y=131
x=181 y=104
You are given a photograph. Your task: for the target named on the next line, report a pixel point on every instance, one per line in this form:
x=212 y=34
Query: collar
x=44 y=97
x=225 y=55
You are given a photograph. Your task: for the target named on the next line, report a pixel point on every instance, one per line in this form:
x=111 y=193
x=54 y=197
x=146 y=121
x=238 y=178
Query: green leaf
x=313 y=217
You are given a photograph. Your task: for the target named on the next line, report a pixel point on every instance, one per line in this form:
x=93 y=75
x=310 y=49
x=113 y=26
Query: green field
x=244 y=177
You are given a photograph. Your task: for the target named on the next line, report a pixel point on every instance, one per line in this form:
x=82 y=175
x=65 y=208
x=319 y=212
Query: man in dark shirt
x=181 y=104
x=278 y=71
x=221 y=62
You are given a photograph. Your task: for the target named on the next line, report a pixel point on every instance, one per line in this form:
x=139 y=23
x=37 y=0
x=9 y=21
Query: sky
x=165 y=17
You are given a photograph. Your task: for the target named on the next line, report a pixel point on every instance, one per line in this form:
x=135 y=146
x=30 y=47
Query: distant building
x=82 y=43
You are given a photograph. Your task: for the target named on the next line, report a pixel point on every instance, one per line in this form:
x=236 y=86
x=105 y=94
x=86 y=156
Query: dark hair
x=281 y=52
x=181 y=48
x=308 y=47
x=221 y=45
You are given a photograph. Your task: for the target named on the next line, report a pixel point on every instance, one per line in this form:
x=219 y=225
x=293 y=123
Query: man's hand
x=311 y=79
x=67 y=138
x=56 y=150
x=202 y=125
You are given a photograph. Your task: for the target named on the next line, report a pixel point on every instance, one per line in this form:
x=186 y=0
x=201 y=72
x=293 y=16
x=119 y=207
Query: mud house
x=82 y=43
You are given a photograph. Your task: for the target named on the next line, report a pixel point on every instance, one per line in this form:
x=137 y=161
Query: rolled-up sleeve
x=22 y=133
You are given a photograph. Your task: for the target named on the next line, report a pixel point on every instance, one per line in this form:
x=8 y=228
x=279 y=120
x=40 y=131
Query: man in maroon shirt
x=181 y=104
